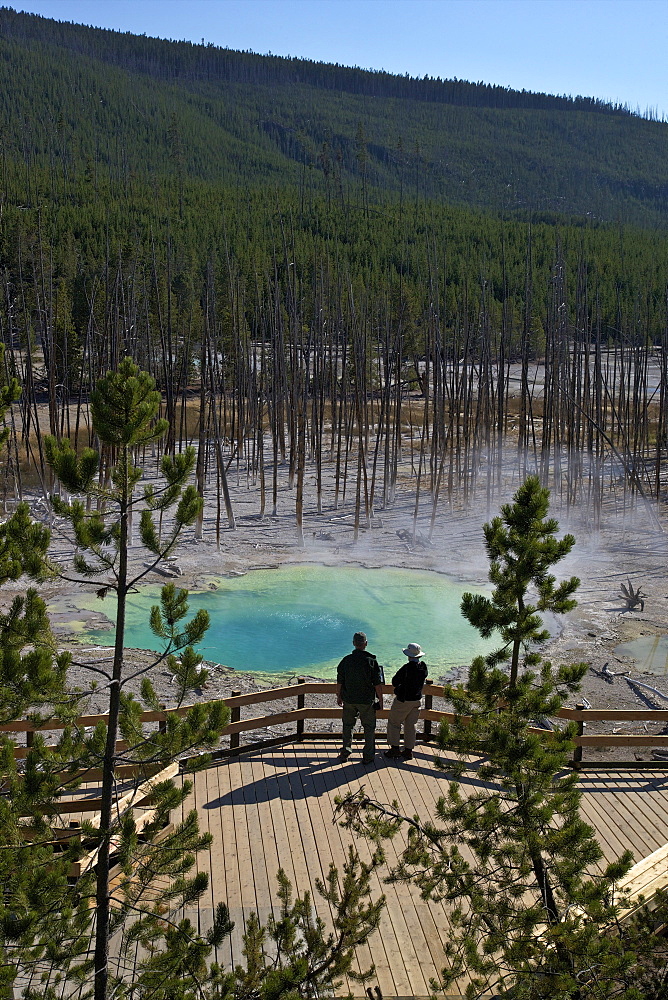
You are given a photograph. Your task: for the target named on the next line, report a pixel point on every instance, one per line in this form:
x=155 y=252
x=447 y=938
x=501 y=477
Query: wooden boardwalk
x=272 y=808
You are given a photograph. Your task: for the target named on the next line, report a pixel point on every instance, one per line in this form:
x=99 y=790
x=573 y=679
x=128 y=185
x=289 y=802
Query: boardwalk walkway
x=274 y=807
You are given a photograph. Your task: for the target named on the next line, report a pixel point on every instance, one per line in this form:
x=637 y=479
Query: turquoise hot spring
x=300 y=619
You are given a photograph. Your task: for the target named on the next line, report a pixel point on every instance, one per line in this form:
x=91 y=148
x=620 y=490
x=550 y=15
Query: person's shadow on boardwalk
x=313 y=775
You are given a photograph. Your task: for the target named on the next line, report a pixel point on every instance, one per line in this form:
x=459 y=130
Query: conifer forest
x=308 y=290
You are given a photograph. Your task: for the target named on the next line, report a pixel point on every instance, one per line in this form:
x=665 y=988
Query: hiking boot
x=344 y=755
x=393 y=753
x=406 y=753
x=368 y=760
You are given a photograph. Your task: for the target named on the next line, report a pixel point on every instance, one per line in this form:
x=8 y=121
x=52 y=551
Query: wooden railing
x=429 y=715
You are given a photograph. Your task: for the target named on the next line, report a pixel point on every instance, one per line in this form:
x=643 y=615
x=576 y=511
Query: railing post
x=428 y=703
x=301 y=702
x=577 y=750
x=162 y=723
x=236 y=717
x=30 y=737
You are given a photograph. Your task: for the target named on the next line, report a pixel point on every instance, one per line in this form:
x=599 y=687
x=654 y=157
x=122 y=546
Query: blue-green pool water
x=300 y=619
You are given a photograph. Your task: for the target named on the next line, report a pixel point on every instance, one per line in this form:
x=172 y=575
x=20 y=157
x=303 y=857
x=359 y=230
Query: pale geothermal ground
x=629 y=545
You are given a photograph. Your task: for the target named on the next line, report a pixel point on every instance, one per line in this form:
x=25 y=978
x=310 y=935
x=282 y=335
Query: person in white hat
x=405 y=709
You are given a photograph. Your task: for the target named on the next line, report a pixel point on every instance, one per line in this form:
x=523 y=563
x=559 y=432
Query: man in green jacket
x=359 y=690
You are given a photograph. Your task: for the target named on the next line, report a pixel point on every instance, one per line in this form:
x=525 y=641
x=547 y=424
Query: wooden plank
x=291 y=691
x=206 y=786
x=604 y=805
x=280 y=694
x=289 y=850
x=294 y=715
x=264 y=722
x=122 y=771
x=83 y=722
x=263 y=879
x=309 y=687
x=652 y=803
x=645 y=870
x=615 y=714
x=299 y=824
x=648 y=889
x=331 y=842
x=435 y=784
x=399 y=906
x=94 y=774
x=140 y=794
x=264 y=809
x=417 y=793
x=384 y=946
x=230 y=893
x=222 y=865
x=328 y=833
x=646 y=740
x=414 y=789
x=81 y=804
x=77 y=868
x=73 y=806
x=314 y=714
x=177 y=817
x=608 y=816
x=244 y=852
x=298 y=819
x=276 y=777
x=281 y=718
x=91 y=721
x=331 y=845
x=56 y=834
x=150 y=715
x=20 y=753
x=312 y=835
x=645 y=879
x=134 y=797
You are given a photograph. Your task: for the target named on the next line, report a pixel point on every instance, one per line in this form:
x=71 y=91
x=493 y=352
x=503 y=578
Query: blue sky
x=612 y=49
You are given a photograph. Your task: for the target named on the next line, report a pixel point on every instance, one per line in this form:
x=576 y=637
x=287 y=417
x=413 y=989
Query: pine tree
x=39 y=917
x=532 y=915
x=294 y=955
x=46 y=921
x=124 y=410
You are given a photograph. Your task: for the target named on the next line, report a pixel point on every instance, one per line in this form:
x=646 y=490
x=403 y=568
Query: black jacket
x=409 y=680
x=358 y=674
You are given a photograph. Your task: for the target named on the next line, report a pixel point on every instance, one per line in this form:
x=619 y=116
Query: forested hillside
x=74 y=98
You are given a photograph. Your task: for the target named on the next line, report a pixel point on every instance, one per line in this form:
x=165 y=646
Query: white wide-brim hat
x=413 y=649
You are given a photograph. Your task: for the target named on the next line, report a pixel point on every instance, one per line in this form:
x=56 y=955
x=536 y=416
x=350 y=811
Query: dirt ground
x=630 y=544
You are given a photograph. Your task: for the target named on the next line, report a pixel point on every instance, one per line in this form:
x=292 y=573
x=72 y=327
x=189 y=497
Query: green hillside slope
x=125 y=105
x=134 y=170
